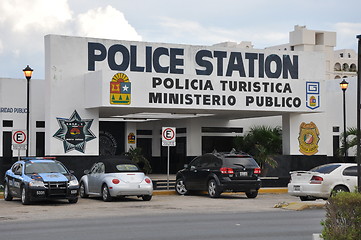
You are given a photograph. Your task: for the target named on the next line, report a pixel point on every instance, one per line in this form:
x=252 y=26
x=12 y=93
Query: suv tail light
x=257 y=171
x=226 y=170
x=316 y=180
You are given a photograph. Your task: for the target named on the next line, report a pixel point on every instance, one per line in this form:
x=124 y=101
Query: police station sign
x=195 y=77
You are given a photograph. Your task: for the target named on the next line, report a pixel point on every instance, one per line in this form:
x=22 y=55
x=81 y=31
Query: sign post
x=19 y=141
x=168 y=140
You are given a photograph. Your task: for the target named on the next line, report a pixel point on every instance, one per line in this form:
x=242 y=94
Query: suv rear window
x=232 y=161
x=325 y=168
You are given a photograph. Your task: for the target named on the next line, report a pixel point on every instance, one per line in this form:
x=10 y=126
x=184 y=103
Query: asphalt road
x=164 y=217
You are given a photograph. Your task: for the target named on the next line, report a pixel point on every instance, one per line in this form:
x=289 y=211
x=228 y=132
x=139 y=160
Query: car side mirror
x=71 y=171
x=185 y=165
x=86 y=171
x=193 y=167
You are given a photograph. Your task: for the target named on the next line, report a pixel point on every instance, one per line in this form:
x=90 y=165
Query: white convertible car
x=322 y=181
x=115 y=178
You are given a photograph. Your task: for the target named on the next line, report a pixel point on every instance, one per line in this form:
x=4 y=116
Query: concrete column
x=194 y=137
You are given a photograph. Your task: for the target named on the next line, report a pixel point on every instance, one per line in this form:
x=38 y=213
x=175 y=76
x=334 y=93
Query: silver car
x=113 y=178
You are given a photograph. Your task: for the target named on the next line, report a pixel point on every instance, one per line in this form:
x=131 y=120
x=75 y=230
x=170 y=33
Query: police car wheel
x=24 y=196
x=7 y=194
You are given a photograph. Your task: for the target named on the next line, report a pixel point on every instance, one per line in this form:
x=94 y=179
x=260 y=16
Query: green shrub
x=343 y=217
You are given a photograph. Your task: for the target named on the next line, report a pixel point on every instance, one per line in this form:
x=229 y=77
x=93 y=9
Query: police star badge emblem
x=74 y=132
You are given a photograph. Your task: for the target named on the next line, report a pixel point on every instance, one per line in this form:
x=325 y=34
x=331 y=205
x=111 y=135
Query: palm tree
x=263 y=143
x=135 y=154
x=351 y=139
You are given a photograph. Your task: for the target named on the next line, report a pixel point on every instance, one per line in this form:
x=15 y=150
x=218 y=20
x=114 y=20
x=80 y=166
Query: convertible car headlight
x=36 y=183
x=73 y=183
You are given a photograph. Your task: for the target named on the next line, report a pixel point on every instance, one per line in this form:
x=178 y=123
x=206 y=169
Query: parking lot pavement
x=160 y=204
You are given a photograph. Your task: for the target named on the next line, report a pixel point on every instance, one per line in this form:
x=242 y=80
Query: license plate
x=297 y=188
x=40 y=192
x=243 y=174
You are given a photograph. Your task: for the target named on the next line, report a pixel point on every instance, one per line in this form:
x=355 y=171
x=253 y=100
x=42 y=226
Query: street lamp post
x=358 y=106
x=27 y=72
x=344 y=85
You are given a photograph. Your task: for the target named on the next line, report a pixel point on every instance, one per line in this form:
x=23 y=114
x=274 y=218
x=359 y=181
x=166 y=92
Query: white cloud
x=105 y=22
x=40 y=15
x=24 y=23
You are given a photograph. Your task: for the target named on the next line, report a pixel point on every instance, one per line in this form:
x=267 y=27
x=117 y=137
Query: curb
x=261 y=191
x=173 y=192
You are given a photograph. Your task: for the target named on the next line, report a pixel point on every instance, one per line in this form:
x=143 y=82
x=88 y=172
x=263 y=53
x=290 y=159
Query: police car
x=38 y=179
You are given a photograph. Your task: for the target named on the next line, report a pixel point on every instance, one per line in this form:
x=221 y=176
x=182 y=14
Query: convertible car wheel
x=106 y=194
x=82 y=191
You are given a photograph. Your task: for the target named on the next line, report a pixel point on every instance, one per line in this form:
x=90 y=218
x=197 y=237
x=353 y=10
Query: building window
x=319 y=39
x=7 y=123
x=144 y=132
x=345 y=67
x=221 y=130
x=7 y=152
x=341 y=55
x=181 y=130
x=40 y=124
x=353 y=67
x=335 y=129
x=337 y=67
x=40 y=144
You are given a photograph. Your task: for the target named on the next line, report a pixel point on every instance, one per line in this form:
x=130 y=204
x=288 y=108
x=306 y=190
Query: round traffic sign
x=19 y=137
x=168 y=134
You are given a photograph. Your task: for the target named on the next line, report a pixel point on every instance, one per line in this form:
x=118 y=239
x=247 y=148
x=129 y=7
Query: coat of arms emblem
x=120 y=89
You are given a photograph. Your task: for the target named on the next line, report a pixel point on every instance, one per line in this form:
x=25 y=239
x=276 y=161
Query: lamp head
x=344 y=85
x=28 y=72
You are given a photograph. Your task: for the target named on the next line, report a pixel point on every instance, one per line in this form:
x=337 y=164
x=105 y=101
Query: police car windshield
x=44 y=167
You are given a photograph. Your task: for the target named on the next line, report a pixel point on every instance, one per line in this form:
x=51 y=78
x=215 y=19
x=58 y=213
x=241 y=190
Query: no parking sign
x=168 y=136
x=19 y=140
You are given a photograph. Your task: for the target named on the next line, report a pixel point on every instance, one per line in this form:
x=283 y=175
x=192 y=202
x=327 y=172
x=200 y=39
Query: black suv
x=220 y=172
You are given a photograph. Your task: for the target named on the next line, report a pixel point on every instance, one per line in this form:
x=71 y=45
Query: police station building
x=100 y=97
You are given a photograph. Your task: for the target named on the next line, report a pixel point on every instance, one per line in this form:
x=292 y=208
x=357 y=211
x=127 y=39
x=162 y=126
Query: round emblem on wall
x=308 y=138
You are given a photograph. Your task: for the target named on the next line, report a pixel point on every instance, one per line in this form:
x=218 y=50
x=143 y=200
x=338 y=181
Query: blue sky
x=24 y=23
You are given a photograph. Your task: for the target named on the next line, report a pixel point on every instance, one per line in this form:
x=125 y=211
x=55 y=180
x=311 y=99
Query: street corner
x=300 y=206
